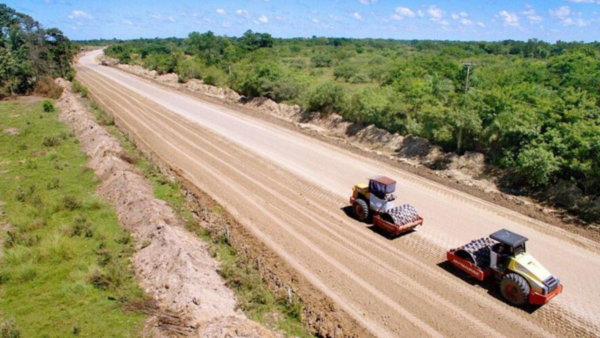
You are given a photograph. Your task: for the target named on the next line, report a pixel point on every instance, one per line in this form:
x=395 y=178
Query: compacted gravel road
x=290 y=191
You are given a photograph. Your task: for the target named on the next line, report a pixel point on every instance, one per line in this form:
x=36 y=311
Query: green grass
x=242 y=275
x=66 y=264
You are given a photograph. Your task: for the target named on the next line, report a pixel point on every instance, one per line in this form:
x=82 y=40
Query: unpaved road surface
x=289 y=190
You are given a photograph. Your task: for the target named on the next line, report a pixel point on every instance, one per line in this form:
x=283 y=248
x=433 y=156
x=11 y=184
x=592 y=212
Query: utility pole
x=469 y=65
x=461 y=127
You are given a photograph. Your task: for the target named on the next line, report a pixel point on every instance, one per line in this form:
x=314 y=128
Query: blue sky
x=491 y=20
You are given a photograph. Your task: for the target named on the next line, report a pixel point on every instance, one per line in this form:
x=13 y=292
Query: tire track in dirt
x=382 y=266
x=325 y=194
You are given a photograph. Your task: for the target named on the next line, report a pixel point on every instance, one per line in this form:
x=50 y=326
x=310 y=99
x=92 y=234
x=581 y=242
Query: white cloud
x=155 y=16
x=561 y=12
x=170 y=18
x=221 y=11
x=405 y=12
x=435 y=12
x=457 y=16
x=315 y=20
x=481 y=24
x=263 y=19
x=563 y=15
x=357 y=16
x=243 y=13
x=466 y=22
x=367 y=2
x=335 y=18
x=226 y=24
x=436 y=15
x=510 y=19
x=80 y=14
x=531 y=15
x=127 y=22
x=584 y=1
x=420 y=13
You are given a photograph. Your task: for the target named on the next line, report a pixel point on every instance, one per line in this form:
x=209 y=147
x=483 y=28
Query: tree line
x=30 y=56
x=532 y=107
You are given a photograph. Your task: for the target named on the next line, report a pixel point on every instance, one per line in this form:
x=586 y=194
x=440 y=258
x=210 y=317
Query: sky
x=489 y=20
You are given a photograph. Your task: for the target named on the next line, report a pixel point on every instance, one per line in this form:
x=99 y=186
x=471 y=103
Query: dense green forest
x=30 y=56
x=531 y=107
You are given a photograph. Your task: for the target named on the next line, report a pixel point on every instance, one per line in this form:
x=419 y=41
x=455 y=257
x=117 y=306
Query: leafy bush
x=79 y=88
x=326 y=98
x=345 y=71
x=71 y=202
x=537 y=165
x=50 y=141
x=48 y=106
x=215 y=77
x=47 y=88
x=283 y=89
x=321 y=60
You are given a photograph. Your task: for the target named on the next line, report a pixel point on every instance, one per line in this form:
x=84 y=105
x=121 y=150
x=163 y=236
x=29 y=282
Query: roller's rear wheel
x=514 y=289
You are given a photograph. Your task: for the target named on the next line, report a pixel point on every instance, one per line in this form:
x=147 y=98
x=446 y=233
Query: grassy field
x=65 y=268
x=254 y=298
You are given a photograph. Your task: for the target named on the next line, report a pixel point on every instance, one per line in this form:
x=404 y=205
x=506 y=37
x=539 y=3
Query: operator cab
x=509 y=244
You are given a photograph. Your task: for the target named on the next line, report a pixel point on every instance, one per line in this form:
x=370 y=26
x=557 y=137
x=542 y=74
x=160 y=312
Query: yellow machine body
x=529 y=268
x=361 y=189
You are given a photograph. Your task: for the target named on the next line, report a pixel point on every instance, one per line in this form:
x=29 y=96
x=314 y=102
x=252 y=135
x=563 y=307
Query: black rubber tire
x=361 y=210
x=515 y=289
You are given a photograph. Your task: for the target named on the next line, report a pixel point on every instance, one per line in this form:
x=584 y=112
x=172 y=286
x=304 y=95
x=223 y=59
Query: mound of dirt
x=213 y=91
x=282 y=111
x=414 y=146
x=138 y=70
x=169 y=78
x=173 y=265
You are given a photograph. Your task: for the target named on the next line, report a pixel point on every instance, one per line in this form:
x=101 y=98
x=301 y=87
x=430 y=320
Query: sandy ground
x=289 y=190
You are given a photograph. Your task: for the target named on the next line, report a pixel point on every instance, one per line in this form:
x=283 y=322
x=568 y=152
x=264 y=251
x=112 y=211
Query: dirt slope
x=173 y=265
x=288 y=189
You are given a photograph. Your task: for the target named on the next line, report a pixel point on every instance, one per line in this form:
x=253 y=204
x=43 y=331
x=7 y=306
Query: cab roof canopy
x=508 y=237
x=383 y=180
x=381 y=185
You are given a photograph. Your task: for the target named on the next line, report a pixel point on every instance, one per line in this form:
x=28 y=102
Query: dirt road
x=289 y=190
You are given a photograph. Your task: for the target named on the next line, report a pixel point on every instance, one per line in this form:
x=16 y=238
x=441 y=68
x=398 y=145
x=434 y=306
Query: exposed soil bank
x=173 y=265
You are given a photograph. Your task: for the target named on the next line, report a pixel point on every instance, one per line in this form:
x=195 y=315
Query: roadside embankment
x=173 y=265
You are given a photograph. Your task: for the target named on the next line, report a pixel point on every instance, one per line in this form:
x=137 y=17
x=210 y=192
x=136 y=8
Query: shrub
x=286 y=88
x=47 y=88
x=81 y=226
x=537 y=165
x=215 y=77
x=71 y=202
x=48 y=106
x=190 y=69
x=321 y=60
x=53 y=184
x=326 y=98
x=345 y=71
x=79 y=88
x=50 y=141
